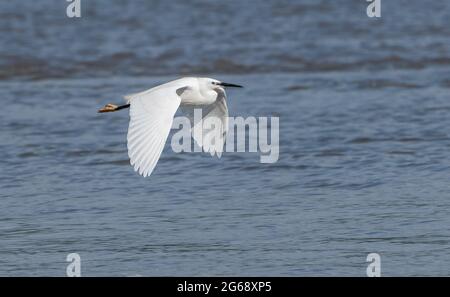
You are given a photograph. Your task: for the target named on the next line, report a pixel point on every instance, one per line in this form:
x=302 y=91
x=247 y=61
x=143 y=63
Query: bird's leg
x=112 y=108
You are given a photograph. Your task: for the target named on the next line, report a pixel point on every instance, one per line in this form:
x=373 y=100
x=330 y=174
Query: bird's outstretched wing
x=211 y=140
x=151 y=117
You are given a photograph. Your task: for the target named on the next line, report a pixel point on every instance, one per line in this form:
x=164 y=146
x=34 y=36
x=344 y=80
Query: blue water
x=364 y=142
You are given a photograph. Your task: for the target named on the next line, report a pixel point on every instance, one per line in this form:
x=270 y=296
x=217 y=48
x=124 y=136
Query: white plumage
x=152 y=113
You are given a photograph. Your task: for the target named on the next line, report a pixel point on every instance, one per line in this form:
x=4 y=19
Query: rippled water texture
x=364 y=142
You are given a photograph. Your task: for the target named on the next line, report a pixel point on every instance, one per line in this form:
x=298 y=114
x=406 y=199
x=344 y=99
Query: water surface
x=364 y=141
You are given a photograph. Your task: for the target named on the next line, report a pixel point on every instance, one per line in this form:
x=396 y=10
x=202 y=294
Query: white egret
x=152 y=112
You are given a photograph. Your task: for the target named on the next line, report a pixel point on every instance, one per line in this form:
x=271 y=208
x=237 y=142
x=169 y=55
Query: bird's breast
x=196 y=98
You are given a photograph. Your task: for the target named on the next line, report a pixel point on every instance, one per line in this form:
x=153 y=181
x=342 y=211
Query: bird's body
x=190 y=90
x=152 y=112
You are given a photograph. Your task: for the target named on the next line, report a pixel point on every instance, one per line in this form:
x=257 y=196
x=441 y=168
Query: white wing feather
x=151 y=117
x=203 y=137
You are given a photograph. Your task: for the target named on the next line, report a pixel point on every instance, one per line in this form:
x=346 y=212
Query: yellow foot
x=108 y=108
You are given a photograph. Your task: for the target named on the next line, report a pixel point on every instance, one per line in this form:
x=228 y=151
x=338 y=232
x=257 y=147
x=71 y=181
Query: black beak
x=223 y=84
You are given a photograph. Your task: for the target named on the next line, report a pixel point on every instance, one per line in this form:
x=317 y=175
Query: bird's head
x=215 y=85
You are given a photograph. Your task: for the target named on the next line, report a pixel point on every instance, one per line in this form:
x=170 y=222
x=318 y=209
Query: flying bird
x=152 y=112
